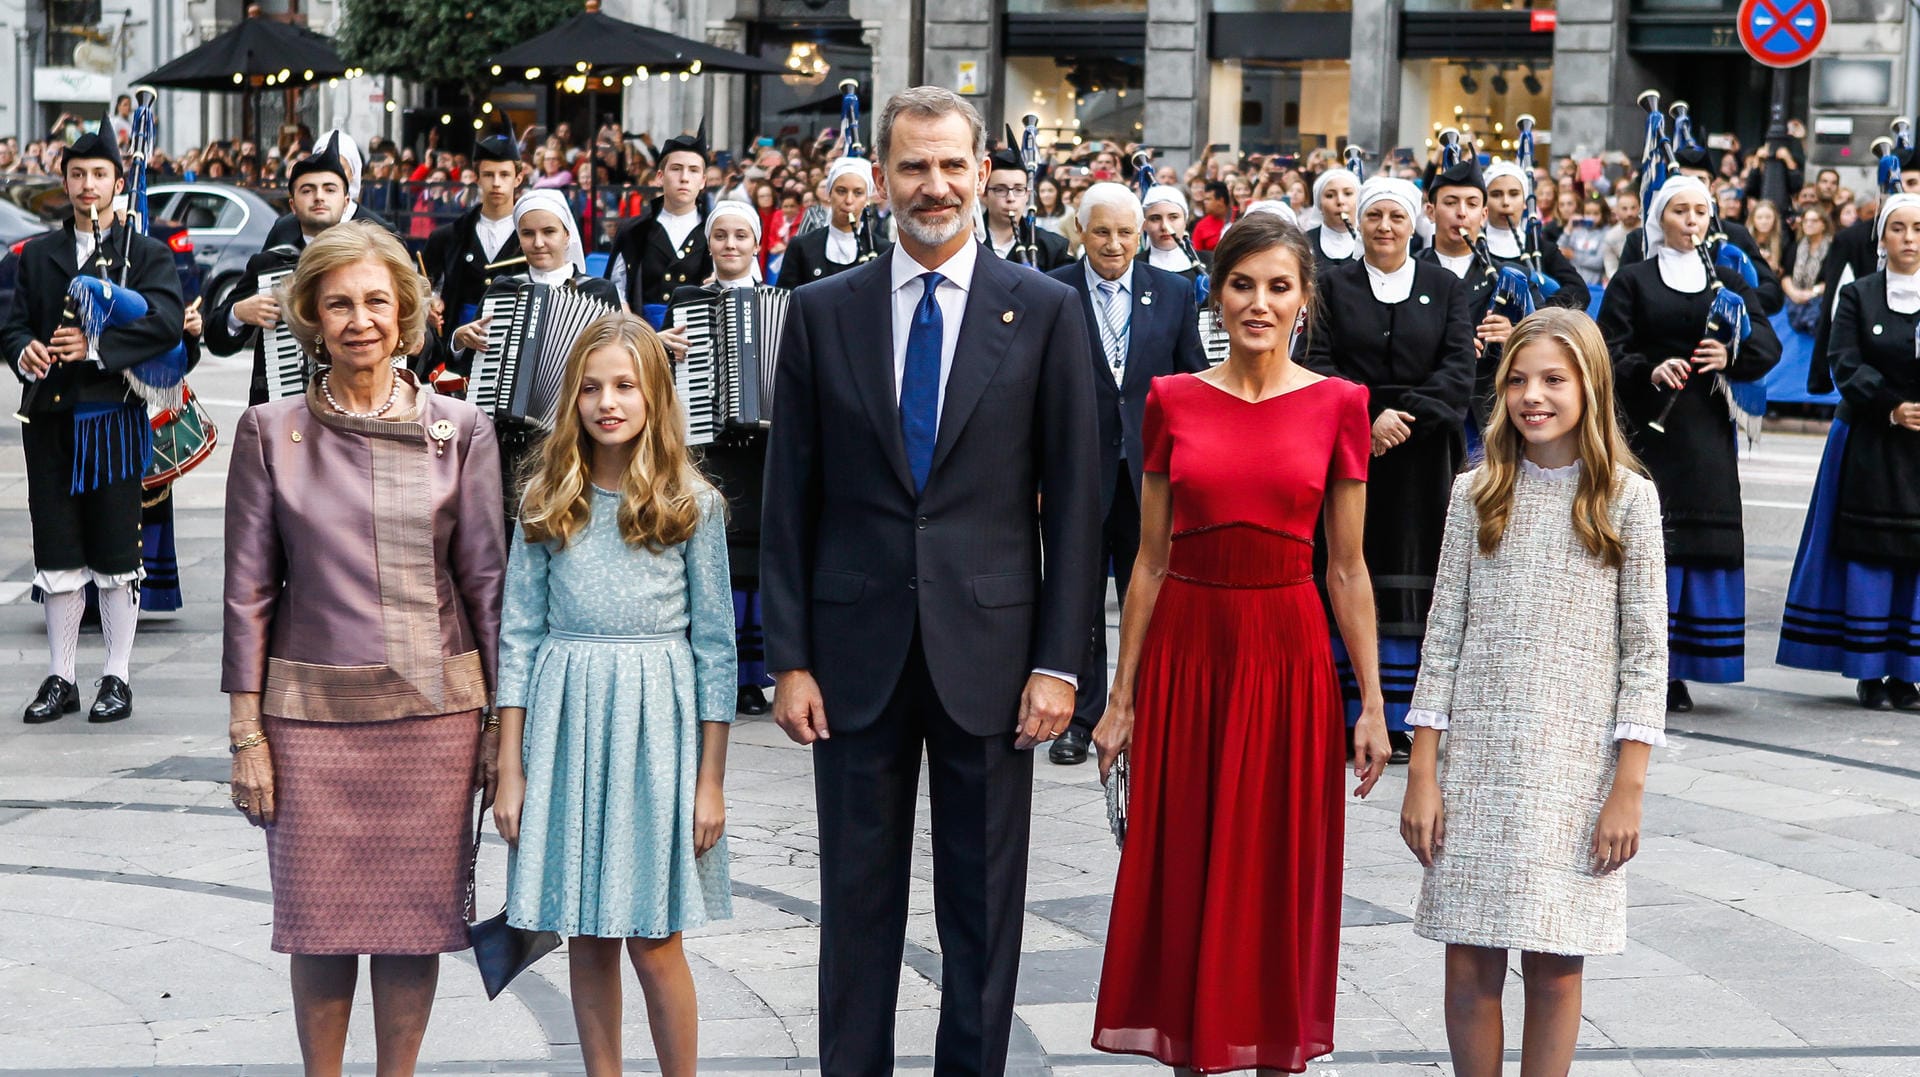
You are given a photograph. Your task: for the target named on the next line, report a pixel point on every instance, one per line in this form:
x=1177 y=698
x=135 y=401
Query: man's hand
x=1907 y=415
x=1046 y=706
x=35 y=360
x=472 y=336
x=69 y=345
x=261 y=311
x=1391 y=430
x=798 y=707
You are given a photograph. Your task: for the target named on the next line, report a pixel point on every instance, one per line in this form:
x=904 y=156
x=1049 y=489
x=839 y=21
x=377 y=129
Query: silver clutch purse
x=1117 y=800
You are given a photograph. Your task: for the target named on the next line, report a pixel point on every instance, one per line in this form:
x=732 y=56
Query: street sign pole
x=1782 y=34
x=1774 y=188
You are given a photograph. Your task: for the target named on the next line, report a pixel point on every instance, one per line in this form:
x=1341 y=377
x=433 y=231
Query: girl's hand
x=486 y=769
x=1672 y=374
x=1616 y=838
x=1423 y=820
x=510 y=795
x=1710 y=355
x=1113 y=734
x=1370 y=748
x=253 y=784
x=676 y=340
x=709 y=817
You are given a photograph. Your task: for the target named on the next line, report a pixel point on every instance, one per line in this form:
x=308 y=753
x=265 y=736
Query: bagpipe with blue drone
x=1145 y=176
x=1532 y=228
x=1725 y=253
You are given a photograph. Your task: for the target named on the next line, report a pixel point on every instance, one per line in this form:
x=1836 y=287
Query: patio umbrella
x=276 y=53
x=591 y=41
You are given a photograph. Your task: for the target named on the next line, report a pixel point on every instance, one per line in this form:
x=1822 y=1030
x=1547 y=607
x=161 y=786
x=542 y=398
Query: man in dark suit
x=847 y=240
x=924 y=401
x=1143 y=323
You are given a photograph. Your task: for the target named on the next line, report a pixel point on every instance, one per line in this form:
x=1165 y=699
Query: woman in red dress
x=1224 y=937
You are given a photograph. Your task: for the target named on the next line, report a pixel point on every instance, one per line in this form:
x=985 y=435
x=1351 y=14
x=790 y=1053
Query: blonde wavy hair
x=660 y=492
x=1603 y=447
x=341 y=245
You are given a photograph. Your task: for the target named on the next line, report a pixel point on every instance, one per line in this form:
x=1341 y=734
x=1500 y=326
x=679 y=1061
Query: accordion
x=287 y=366
x=518 y=375
x=733 y=344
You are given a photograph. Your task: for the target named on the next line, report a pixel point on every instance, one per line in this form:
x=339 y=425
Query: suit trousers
x=1120 y=544
x=866 y=784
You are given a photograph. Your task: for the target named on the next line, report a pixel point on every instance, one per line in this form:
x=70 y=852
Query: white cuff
x=234 y=325
x=1426 y=719
x=1070 y=678
x=1645 y=734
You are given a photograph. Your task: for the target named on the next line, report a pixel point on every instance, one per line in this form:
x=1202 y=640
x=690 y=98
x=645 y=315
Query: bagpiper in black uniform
x=1176 y=255
x=1404 y=333
x=1655 y=311
x=565 y=268
x=1853 y=606
x=1333 y=240
x=1001 y=235
x=86 y=436
x=1854 y=254
x=736 y=462
x=1456 y=202
x=667 y=248
x=227 y=332
x=463 y=255
x=846 y=241
x=1697 y=162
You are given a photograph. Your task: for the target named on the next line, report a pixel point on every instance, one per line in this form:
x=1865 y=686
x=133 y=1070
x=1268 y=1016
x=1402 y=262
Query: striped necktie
x=1113 y=327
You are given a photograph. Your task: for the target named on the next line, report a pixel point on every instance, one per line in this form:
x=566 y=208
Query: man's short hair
x=926 y=103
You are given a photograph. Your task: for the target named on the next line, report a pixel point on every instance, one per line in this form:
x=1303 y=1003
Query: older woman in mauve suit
x=364 y=570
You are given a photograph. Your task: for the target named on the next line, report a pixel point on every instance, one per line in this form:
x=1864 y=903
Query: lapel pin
x=1424 y=301
x=296 y=437
x=1879 y=329
x=1146 y=299
x=1007 y=318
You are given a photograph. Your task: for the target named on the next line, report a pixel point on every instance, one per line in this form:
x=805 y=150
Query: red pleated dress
x=1224 y=938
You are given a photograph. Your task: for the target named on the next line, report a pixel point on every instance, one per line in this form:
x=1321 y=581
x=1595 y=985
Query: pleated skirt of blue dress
x=1706 y=624
x=1399 y=668
x=1848 y=617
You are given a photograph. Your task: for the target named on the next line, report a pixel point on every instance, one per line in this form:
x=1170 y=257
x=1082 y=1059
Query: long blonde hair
x=660 y=491
x=1603 y=448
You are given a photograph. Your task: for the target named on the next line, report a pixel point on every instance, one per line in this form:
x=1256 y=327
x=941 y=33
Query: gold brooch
x=296 y=437
x=1007 y=318
x=442 y=431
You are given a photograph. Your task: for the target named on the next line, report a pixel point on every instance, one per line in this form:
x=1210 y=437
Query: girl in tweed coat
x=1546 y=666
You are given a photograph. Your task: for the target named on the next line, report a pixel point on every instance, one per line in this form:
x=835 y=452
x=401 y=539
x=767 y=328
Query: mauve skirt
x=372 y=836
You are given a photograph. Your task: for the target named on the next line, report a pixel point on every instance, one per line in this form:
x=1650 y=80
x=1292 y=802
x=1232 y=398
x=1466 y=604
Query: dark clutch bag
x=501 y=950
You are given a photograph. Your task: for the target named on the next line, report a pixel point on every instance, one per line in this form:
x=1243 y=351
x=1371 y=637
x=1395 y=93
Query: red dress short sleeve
x=1353 y=438
x=1153 y=432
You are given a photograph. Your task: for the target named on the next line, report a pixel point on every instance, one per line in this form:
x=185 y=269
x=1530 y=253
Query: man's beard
x=928 y=234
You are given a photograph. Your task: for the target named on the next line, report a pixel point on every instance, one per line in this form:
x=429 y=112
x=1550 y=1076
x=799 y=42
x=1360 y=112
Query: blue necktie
x=920 y=383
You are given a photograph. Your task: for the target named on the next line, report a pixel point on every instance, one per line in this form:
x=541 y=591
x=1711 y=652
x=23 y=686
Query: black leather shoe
x=752 y=701
x=115 y=701
x=57 y=696
x=1402 y=745
x=1679 y=700
x=1070 y=748
x=1874 y=695
x=1902 y=694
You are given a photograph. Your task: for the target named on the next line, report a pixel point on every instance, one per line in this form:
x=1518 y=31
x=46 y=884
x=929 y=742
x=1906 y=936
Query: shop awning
x=603 y=45
x=256 y=52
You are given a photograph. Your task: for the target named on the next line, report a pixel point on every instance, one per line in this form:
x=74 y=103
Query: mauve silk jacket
x=365 y=561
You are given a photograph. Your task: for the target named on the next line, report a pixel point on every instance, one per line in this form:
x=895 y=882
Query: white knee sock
x=119 y=616
x=63 y=631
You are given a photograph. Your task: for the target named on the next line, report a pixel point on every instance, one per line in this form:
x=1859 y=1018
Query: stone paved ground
x=1776 y=905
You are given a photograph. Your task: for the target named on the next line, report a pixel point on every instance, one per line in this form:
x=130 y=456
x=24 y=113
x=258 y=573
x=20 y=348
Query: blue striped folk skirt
x=1706 y=624
x=1399 y=668
x=1848 y=617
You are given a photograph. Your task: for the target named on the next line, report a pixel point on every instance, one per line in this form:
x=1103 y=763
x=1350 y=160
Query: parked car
x=227 y=225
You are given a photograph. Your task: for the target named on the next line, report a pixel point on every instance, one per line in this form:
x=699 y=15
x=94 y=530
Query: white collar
x=1501 y=242
x=1551 y=474
x=1392 y=287
x=957 y=270
x=1173 y=260
x=1681 y=270
x=1095 y=280
x=690 y=215
x=743 y=282
x=839 y=231
x=1335 y=241
x=560 y=275
x=1457 y=264
x=1903 y=292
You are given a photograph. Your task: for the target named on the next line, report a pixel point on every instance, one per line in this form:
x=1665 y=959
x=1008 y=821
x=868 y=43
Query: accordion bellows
x=733 y=345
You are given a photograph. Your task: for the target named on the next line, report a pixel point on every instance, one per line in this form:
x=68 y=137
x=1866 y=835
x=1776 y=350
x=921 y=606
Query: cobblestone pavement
x=1776 y=904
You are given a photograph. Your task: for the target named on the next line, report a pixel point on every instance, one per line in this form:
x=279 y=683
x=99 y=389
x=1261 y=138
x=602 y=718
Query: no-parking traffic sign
x=1782 y=33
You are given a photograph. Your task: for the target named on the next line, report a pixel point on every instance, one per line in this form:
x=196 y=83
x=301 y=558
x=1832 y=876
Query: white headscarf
x=553 y=202
x=1505 y=168
x=1274 y=206
x=1902 y=200
x=745 y=211
x=851 y=166
x=1502 y=241
x=1682 y=270
x=1166 y=192
x=1390 y=189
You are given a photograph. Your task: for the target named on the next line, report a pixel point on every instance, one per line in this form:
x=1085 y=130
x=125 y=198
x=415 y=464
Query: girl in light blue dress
x=616 y=691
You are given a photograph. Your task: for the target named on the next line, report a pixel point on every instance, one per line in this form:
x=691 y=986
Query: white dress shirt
x=1392 y=287
x=679 y=226
x=842 y=247
x=493 y=234
x=1094 y=281
x=1457 y=266
x=957 y=284
x=743 y=282
x=1426 y=719
x=83 y=247
x=1903 y=292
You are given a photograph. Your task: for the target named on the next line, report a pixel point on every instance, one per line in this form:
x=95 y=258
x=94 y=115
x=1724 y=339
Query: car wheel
x=222 y=288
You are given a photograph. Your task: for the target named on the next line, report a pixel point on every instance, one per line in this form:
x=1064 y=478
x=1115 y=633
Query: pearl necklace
x=326 y=390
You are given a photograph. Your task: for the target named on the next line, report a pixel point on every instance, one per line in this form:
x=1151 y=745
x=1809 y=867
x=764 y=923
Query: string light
x=532 y=73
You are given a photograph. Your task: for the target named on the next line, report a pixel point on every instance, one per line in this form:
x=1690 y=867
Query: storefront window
x=800 y=104
x=1283 y=106
x=1083 y=101
x=1482 y=98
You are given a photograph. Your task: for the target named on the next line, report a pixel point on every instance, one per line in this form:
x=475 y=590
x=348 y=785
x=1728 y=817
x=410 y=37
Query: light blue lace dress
x=618 y=655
